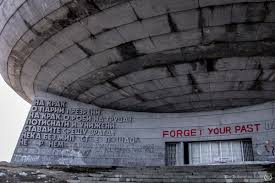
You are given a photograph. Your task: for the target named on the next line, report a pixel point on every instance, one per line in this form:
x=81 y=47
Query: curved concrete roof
x=141 y=55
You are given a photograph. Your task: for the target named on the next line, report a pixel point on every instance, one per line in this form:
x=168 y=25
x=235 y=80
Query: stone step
x=211 y=174
x=249 y=175
x=207 y=174
x=184 y=172
x=192 y=169
x=174 y=180
x=229 y=172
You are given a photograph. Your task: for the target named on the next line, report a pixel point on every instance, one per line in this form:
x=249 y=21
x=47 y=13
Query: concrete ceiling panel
x=142 y=55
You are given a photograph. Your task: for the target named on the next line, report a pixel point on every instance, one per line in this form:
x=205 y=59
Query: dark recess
x=127 y=50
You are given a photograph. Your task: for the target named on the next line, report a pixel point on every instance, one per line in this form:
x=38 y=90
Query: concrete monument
x=141 y=82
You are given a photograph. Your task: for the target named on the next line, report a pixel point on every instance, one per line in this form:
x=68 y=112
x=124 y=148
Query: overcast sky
x=13 y=112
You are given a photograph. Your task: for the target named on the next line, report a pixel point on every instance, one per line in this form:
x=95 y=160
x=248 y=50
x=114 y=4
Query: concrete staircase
x=191 y=174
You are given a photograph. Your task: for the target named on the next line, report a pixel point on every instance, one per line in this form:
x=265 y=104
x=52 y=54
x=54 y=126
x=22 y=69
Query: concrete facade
x=164 y=64
x=59 y=131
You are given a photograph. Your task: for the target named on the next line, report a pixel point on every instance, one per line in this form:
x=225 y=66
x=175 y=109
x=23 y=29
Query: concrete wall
x=56 y=132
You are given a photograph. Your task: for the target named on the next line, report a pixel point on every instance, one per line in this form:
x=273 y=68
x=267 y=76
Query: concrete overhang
x=141 y=55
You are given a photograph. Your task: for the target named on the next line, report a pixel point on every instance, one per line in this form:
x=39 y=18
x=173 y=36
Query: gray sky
x=13 y=112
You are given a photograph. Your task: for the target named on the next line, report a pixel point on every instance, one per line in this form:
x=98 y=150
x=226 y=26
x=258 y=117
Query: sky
x=13 y=113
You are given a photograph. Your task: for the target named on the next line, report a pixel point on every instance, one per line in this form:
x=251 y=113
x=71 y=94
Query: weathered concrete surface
x=60 y=131
x=161 y=56
x=141 y=55
x=221 y=174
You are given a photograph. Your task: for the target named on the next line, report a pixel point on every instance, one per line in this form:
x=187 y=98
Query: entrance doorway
x=208 y=152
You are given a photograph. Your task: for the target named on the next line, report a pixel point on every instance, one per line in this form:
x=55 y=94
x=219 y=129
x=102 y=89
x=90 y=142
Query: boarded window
x=171 y=154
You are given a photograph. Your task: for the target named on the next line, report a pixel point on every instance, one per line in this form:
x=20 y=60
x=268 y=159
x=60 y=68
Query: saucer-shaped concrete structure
x=142 y=55
x=158 y=56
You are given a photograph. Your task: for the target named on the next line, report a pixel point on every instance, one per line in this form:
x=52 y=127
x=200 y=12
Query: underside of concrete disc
x=141 y=55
